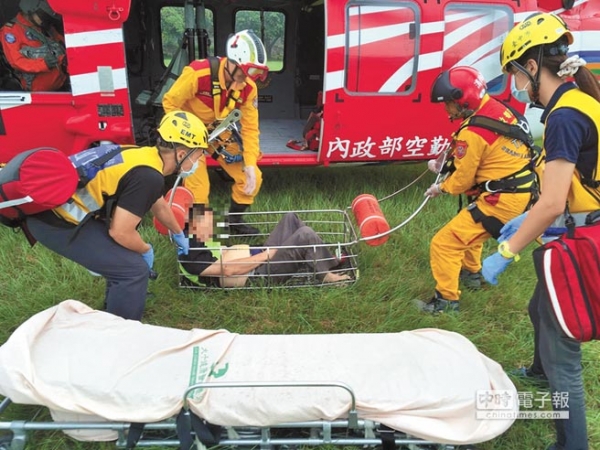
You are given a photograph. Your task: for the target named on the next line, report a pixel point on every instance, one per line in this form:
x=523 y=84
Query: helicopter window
x=382 y=47
x=472 y=37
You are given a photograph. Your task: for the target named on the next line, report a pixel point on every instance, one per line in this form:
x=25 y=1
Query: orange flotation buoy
x=183 y=199
x=179 y=213
x=183 y=196
x=371 y=221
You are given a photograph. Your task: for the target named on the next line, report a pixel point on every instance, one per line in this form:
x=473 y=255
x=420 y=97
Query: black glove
x=51 y=60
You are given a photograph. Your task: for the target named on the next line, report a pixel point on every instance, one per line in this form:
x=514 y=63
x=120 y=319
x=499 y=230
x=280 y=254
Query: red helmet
x=463 y=85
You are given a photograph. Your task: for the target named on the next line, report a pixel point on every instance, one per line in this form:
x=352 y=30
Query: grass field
x=392 y=275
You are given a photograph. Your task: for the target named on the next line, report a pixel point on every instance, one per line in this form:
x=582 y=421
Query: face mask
x=521 y=95
x=187 y=173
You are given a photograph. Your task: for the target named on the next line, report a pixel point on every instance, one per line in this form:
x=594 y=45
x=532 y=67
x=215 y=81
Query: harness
x=524 y=180
x=233 y=96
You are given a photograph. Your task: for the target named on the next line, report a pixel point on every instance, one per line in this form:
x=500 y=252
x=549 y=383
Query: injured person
x=92 y=366
x=290 y=246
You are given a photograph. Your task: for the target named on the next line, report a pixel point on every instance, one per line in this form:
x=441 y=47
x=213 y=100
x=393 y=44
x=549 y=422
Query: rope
x=413 y=215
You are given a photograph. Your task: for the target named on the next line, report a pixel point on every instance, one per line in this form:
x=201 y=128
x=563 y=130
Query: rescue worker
x=492 y=169
x=34 y=48
x=535 y=54
x=98 y=226
x=212 y=95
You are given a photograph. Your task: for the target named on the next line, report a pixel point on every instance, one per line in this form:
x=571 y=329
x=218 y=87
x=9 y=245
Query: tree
x=271 y=30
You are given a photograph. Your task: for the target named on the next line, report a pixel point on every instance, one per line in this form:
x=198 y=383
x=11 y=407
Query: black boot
x=236 y=221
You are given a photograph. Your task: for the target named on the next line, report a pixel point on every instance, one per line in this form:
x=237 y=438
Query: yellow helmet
x=183 y=128
x=537 y=29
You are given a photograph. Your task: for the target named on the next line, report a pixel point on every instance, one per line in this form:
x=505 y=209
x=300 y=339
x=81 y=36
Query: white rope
x=415 y=212
x=404 y=188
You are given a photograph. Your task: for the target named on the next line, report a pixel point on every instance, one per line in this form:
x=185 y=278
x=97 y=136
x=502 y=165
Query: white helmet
x=245 y=49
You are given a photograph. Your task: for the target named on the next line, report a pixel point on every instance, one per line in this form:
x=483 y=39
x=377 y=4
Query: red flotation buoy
x=371 y=221
x=183 y=199
x=183 y=196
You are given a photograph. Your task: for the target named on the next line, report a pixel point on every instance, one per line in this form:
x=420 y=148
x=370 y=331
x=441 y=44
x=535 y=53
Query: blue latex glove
x=149 y=257
x=183 y=243
x=511 y=227
x=493 y=266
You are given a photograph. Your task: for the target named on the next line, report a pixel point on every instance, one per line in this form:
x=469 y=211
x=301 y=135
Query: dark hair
x=198 y=210
x=553 y=55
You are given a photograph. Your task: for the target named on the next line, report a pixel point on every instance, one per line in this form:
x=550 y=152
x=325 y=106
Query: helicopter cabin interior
x=161 y=37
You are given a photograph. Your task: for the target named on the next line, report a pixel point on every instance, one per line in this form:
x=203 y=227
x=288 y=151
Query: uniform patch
x=10 y=38
x=460 y=149
x=255 y=102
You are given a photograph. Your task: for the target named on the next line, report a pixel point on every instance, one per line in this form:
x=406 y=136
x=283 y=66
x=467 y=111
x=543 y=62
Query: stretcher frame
x=333 y=225
x=352 y=431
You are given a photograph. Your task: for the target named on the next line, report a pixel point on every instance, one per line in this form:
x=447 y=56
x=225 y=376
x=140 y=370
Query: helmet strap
x=462 y=112
x=535 y=84
x=533 y=79
x=178 y=164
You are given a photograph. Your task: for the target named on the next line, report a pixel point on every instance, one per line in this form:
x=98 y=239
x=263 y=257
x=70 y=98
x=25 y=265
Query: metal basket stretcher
x=335 y=228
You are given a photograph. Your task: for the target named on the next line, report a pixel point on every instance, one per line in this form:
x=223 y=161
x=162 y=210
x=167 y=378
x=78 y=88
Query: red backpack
x=44 y=178
x=570 y=268
x=35 y=181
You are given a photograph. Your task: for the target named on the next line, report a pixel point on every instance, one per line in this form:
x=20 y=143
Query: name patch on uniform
x=460 y=149
x=10 y=38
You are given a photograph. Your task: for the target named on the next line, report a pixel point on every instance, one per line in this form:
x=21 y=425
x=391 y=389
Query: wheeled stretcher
x=98 y=374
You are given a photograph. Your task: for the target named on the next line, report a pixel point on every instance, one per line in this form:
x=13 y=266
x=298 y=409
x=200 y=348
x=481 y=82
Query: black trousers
x=125 y=271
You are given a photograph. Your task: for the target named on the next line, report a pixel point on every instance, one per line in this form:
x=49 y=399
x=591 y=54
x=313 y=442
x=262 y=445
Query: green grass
x=392 y=275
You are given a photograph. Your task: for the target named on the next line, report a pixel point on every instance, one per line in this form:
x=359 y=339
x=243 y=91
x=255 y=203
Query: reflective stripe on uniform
x=77 y=211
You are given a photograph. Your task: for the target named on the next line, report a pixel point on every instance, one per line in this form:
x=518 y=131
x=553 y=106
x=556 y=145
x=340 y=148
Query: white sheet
x=85 y=363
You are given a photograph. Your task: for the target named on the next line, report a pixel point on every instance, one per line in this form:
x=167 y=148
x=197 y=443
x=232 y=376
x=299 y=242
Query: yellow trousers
x=459 y=244
x=199 y=182
x=456 y=246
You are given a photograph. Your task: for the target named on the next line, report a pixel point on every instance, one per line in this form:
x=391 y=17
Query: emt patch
x=460 y=149
x=10 y=38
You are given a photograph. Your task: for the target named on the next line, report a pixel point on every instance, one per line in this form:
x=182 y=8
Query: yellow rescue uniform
x=92 y=197
x=478 y=156
x=193 y=92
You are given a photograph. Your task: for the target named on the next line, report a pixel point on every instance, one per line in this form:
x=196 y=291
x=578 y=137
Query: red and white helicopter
x=373 y=62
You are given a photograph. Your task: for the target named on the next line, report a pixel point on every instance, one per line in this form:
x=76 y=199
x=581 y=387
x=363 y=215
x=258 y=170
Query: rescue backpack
x=44 y=178
x=569 y=267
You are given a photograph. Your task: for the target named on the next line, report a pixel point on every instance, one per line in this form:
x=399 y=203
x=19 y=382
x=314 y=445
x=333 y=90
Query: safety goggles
x=255 y=71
